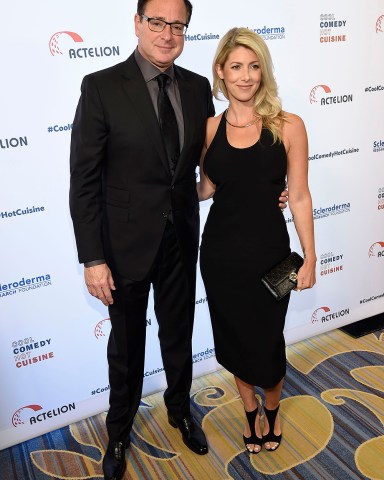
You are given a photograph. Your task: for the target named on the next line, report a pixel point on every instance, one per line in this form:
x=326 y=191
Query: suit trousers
x=174 y=302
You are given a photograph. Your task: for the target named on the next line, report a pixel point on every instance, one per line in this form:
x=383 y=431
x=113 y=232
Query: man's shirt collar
x=149 y=70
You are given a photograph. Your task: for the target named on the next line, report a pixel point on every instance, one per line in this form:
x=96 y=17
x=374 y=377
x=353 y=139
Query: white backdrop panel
x=328 y=63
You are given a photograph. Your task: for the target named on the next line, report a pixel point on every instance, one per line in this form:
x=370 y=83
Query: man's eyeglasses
x=157 y=25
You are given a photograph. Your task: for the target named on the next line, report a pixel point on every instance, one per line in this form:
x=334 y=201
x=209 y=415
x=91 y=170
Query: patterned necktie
x=168 y=123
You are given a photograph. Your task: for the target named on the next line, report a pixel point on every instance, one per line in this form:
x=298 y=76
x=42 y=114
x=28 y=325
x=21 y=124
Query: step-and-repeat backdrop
x=328 y=60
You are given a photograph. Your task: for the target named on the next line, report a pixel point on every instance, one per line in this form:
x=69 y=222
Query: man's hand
x=99 y=282
x=283 y=199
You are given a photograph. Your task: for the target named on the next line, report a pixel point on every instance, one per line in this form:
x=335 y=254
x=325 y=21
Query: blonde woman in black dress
x=252 y=149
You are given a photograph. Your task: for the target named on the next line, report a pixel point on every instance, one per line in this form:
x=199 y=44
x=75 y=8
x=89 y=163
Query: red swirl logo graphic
x=316 y=315
x=100 y=328
x=375 y=248
x=380 y=24
x=315 y=91
x=54 y=42
x=17 y=419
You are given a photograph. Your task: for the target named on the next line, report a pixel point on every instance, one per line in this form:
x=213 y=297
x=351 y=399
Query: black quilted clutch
x=282 y=278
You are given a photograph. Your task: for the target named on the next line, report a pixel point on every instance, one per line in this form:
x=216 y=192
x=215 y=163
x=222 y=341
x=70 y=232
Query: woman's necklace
x=241 y=126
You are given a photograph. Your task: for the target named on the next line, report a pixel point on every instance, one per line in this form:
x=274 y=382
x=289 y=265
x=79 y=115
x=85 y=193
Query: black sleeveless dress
x=244 y=236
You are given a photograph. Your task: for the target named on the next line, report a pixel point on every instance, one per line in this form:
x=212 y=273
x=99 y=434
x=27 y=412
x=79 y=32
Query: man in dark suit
x=136 y=215
x=135 y=212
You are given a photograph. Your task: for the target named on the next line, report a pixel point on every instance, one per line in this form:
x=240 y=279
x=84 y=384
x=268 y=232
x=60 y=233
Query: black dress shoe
x=193 y=435
x=114 y=463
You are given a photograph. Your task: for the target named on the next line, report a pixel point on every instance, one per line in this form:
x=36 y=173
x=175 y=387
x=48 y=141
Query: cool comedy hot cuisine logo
x=332 y=29
x=27 y=352
x=380 y=199
x=331 y=263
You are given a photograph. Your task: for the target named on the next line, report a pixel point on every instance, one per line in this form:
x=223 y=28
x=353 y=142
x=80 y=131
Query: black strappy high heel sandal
x=271 y=436
x=253 y=439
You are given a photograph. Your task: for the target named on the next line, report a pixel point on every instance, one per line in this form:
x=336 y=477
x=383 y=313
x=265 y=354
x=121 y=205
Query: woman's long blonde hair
x=267 y=103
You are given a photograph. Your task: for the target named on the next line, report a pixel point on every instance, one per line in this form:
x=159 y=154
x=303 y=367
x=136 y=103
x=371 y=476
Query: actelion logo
x=103 y=328
x=54 y=41
x=322 y=315
x=13 y=142
x=376 y=250
x=380 y=24
x=23 y=414
x=320 y=94
x=317 y=91
x=58 y=41
x=316 y=315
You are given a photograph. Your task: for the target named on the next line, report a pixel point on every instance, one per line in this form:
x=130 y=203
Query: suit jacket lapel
x=137 y=90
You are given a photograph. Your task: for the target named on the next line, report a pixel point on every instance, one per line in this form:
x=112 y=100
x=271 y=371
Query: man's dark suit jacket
x=121 y=186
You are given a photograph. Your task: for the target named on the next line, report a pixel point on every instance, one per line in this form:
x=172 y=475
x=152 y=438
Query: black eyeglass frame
x=164 y=24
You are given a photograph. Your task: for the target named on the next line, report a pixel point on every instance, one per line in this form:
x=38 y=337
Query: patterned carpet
x=332 y=419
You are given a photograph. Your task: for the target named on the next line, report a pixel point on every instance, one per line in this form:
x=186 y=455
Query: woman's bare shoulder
x=213 y=122
x=212 y=126
x=292 y=121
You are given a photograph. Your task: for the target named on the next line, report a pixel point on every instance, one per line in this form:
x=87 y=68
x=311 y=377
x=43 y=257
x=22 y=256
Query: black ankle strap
x=271 y=414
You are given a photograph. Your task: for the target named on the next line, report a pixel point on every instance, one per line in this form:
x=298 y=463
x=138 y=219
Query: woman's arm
x=300 y=202
x=205 y=188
